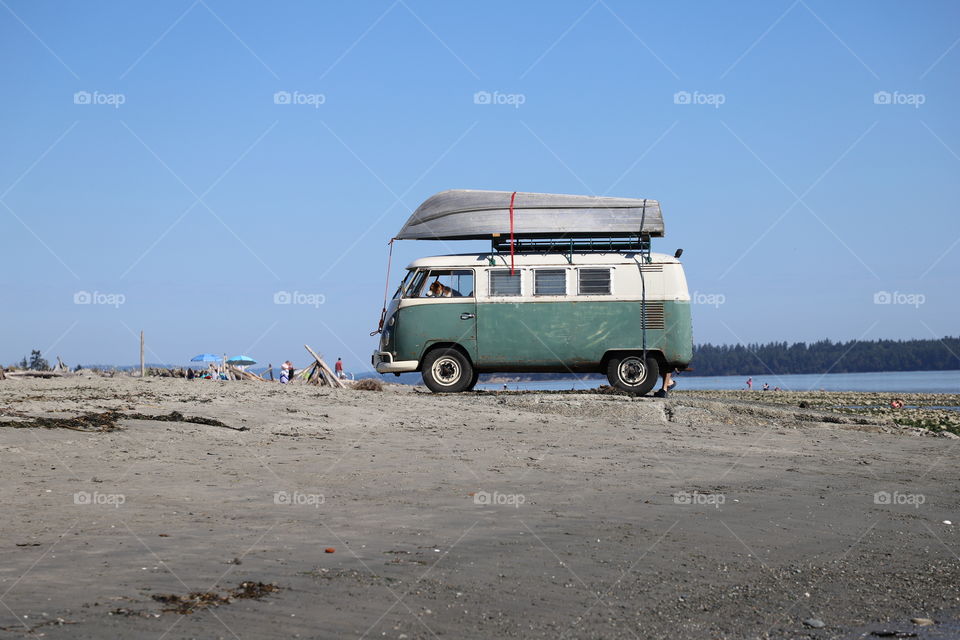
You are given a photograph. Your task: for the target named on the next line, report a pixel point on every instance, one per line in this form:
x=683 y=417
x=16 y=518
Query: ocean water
x=887 y=381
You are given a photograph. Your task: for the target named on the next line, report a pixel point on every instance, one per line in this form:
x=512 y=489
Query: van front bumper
x=383 y=362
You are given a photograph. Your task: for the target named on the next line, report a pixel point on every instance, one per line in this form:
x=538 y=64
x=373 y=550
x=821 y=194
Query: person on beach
x=284 y=373
x=668 y=384
x=766 y=386
x=750 y=384
x=338 y=369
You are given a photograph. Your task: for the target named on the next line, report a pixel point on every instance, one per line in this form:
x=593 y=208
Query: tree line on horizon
x=854 y=356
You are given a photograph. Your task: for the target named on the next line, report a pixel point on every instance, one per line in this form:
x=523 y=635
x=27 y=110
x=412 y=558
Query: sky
x=185 y=168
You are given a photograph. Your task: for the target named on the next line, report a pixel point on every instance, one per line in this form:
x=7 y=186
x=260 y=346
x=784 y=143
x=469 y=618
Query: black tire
x=473 y=381
x=629 y=373
x=447 y=371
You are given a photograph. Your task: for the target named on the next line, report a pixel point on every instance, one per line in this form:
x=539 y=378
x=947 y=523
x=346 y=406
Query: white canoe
x=463 y=214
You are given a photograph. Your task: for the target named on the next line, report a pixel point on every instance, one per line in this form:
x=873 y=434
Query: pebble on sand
x=922 y=622
x=815 y=623
x=329 y=550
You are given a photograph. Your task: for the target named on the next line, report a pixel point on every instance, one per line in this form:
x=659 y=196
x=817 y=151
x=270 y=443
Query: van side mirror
x=678 y=253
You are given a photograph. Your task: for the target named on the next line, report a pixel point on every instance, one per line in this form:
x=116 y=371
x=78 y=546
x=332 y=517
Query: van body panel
x=421 y=325
x=575 y=334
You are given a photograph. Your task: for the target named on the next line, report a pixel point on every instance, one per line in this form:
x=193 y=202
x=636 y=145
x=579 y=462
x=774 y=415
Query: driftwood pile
x=236 y=373
x=319 y=373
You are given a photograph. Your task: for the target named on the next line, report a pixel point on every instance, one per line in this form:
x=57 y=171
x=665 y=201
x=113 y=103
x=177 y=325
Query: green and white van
x=625 y=314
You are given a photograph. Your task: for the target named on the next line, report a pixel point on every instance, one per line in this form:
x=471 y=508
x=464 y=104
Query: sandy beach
x=317 y=513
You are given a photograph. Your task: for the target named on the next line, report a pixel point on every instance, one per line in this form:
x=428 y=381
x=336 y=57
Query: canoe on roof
x=464 y=214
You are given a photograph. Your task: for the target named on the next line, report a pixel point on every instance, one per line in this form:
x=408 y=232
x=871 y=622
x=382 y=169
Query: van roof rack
x=639 y=243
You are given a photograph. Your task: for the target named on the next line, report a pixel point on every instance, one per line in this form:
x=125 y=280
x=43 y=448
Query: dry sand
x=611 y=517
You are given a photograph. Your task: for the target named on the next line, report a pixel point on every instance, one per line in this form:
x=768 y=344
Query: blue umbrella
x=241 y=360
x=205 y=357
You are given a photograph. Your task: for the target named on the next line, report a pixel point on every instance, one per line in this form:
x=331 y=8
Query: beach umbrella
x=205 y=357
x=241 y=361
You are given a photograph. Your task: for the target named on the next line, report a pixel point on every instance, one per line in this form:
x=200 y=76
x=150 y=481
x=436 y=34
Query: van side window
x=550 y=282
x=447 y=283
x=504 y=284
x=594 y=282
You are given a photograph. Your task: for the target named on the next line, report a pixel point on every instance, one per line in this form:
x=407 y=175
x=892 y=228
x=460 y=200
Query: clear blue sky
x=199 y=197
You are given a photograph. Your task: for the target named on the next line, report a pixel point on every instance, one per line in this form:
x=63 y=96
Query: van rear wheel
x=632 y=374
x=447 y=371
x=473 y=381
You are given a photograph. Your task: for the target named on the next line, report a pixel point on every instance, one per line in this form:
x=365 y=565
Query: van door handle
x=467 y=316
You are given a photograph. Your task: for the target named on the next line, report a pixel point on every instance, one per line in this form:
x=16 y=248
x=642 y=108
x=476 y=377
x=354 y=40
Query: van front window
x=404 y=284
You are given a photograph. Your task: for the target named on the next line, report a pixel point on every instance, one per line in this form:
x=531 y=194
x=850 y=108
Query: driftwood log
x=36 y=374
x=321 y=373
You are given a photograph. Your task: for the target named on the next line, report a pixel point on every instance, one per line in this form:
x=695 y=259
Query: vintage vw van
x=580 y=313
x=569 y=285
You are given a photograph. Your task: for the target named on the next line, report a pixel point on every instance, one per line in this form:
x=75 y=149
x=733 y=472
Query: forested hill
x=823 y=356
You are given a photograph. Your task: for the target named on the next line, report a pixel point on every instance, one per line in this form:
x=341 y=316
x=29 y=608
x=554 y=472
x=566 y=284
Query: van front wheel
x=447 y=371
x=630 y=373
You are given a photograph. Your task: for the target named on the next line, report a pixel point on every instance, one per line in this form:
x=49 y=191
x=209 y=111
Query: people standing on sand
x=766 y=386
x=338 y=369
x=284 y=373
x=750 y=384
x=668 y=384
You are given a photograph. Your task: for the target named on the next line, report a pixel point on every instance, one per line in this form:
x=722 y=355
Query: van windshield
x=404 y=284
x=442 y=283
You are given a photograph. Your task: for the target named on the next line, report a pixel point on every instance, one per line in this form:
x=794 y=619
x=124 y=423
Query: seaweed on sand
x=107 y=421
x=197 y=600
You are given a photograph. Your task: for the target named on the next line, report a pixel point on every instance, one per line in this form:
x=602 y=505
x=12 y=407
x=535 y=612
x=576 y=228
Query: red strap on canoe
x=512 y=197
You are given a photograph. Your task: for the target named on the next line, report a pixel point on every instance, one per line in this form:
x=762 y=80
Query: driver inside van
x=439 y=290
